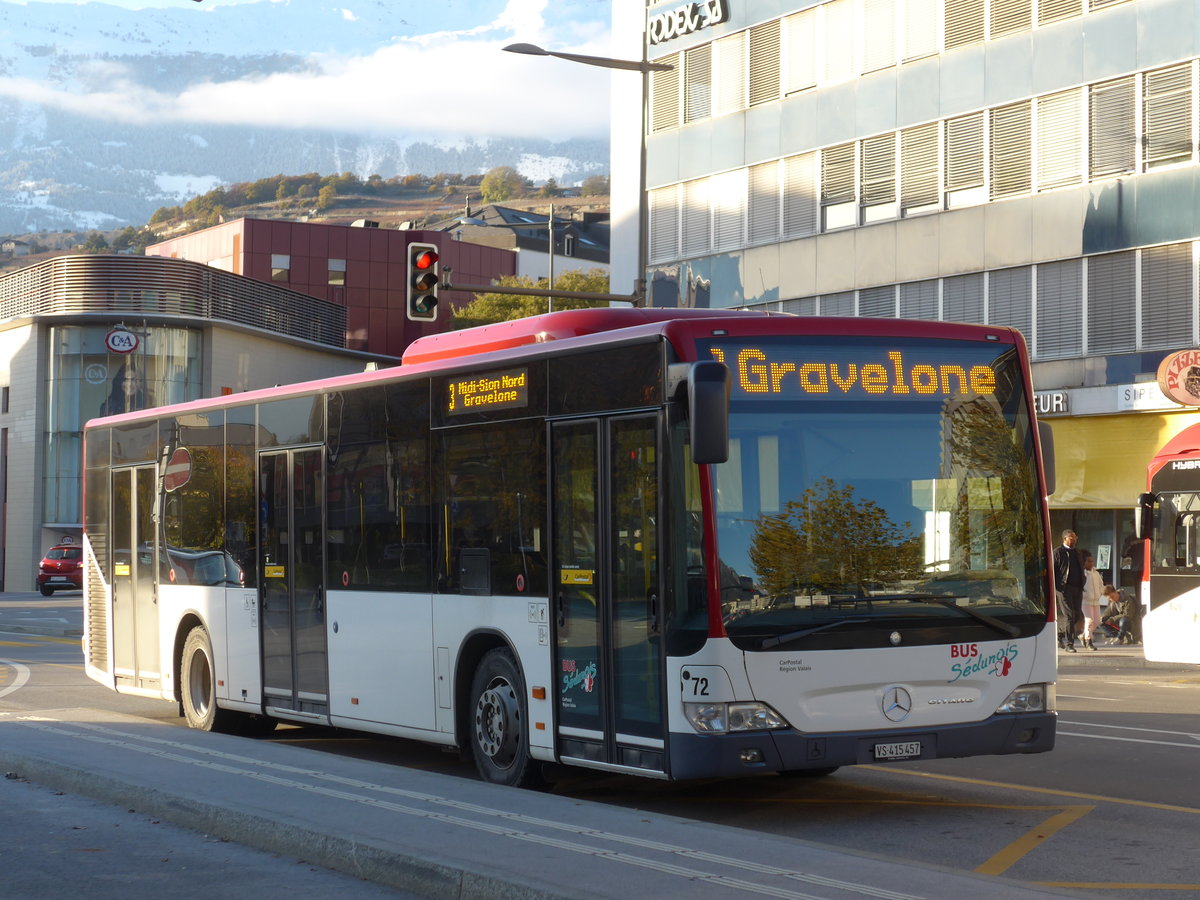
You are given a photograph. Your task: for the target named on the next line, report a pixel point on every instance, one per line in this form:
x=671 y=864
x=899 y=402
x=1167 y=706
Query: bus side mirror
x=1143 y=516
x=708 y=411
x=1046 y=438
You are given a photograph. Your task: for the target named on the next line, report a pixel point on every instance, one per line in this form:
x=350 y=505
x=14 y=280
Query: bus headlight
x=721 y=718
x=1029 y=698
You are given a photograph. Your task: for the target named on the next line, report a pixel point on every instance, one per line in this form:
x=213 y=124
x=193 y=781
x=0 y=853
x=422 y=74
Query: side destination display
x=481 y=393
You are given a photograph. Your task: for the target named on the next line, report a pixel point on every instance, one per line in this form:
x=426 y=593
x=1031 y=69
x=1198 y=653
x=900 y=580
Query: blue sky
x=451 y=47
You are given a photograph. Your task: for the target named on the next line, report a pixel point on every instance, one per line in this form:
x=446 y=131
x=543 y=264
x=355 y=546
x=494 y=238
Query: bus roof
x=549 y=327
x=1186 y=443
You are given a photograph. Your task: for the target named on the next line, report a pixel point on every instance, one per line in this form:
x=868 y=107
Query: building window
x=568 y=245
x=1060 y=135
x=763 y=203
x=697 y=218
x=1060 y=323
x=1112 y=291
x=281 y=267
x=1167 y=116
x=964 y=22
x=919 y=169
x=764 y=63
x=4 y=399
x=1012 y=140
x=800 y=47
x=964 y=160
x=1166 y=296
x=697 y=83
x=1112 y=126
x=1010 y=17
x=878 y=178
x=337 y=272
x=800 y=209
x=729 y=74
x=837 y=186
x=664 y=95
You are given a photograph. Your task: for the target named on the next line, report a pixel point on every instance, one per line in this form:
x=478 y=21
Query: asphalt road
x=1112 y=810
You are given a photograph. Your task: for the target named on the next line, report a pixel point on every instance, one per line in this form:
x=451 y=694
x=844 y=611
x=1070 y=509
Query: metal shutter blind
x=1010 y=16
x=1060 y=310
x=962 y=298
x=729 y=74
x=1059 y=140
x=1112 y=297
x=800 y=41
x=764 y=63
x=697 y=83
x=964 y=152
x=805 y=306
x=800 y=206
x=878 y=302
x=728 y=192
x=964 y=22
x=1112 y=143
x=879 y=169
x=1167 y=115
x=697 y=218
x=1053 y=10
x=664 y=96
x=841 y=304
x=837 y=174
x=919 y=166
x=879 y=34
x=919 y=300
x=664 y=224
x=1010 y=299
x=1011 y=145
x=1167 y=296
x=839 y=37
x=763 y=199
x=922 y=28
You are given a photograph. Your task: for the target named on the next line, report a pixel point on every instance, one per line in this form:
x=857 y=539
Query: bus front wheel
x=198 y=685
x=499 y=730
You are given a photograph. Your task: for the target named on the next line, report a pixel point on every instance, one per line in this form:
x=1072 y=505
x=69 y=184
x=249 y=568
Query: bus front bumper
x=749 y=753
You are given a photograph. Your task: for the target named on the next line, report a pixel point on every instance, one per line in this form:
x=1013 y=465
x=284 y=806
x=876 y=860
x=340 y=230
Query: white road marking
x=21 y=679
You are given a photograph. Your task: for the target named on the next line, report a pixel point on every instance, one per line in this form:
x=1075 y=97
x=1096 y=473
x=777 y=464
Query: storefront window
x=88 y=380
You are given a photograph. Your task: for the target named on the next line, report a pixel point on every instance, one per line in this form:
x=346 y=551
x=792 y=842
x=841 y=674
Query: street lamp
x=629 y=65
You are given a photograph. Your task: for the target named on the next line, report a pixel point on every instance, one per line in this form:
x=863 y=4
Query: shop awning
x=1100 y=461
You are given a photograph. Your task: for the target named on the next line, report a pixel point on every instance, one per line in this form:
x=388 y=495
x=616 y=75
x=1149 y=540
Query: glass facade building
x=1028 y=163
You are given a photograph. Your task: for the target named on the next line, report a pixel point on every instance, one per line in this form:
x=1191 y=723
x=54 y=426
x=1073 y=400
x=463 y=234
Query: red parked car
x=61 y=569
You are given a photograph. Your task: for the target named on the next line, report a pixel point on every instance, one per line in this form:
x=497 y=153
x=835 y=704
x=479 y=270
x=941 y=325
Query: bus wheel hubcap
x=496 y=722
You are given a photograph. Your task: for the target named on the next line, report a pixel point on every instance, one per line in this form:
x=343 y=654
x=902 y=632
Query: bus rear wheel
x=499 y=730
x=197 y=681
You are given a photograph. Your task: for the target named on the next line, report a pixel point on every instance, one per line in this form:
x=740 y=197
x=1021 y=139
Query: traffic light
x=424 y=275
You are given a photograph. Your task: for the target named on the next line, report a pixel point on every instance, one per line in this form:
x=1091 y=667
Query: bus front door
x=135 y=605
x=605 y=589
x=290 y=566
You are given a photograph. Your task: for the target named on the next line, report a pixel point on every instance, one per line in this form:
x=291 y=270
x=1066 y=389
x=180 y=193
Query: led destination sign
x=482 y=393
x=862 y=373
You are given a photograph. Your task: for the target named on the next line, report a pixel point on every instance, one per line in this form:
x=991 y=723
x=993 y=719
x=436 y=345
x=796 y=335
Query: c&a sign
x=685 y=19
x=1179 y=377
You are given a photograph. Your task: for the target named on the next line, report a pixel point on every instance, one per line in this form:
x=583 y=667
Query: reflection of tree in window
x=829 y=539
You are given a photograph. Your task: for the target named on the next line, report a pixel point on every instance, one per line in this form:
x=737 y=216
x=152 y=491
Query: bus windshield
x=877 y=484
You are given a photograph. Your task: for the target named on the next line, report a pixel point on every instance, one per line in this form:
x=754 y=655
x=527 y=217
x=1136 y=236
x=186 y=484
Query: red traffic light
x=425 y=259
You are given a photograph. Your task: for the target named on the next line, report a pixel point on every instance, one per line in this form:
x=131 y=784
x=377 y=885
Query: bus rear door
x=605 y=589
x=135 y=606
x=292 y=593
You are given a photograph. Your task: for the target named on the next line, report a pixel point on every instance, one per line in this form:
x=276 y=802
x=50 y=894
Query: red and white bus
x=673 y=543
x=1167 y=518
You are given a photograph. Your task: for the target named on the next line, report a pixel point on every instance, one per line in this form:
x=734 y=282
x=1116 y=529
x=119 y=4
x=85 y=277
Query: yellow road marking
x=1052 y=792
x=1031 y=840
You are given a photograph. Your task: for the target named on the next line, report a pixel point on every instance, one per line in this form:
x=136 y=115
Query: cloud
x=438 y=86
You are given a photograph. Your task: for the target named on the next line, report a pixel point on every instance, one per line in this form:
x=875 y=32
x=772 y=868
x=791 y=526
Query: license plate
x=59 y=578
x=905 y=750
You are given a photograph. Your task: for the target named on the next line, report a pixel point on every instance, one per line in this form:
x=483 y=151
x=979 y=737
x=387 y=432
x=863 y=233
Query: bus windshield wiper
x=768 y=643
x=950 y=603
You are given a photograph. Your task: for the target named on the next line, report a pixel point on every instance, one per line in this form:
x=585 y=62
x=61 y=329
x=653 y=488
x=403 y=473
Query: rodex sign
x=1179 y=377
x=685 y=19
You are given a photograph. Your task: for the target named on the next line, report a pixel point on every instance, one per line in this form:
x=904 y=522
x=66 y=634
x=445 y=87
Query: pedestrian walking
x=1093 y=593
x=1068 y=578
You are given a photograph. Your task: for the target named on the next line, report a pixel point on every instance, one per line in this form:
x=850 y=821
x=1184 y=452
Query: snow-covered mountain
x=94 y=134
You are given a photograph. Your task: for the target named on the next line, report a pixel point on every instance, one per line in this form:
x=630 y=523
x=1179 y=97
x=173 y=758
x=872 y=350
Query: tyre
x=46 y=590
x=197 y=682
x=499 y=728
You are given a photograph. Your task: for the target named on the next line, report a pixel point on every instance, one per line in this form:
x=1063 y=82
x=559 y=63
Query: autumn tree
x=501 y=183
x=830 y=539
x=488 y=308
x=594 y=186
